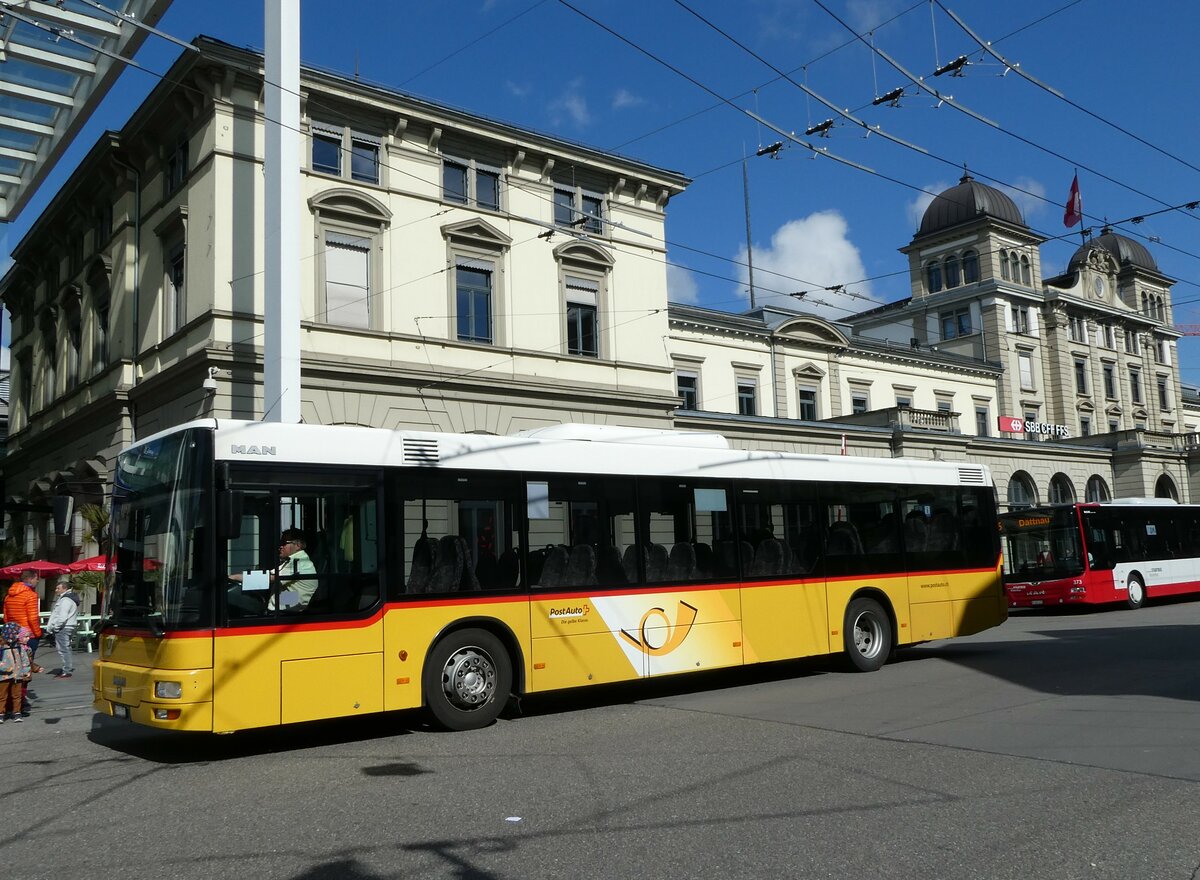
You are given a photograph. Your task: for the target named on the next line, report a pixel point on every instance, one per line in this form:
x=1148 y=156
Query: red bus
x=1118 y=551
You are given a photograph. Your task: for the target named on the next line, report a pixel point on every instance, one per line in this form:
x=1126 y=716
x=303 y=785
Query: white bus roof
x=563 y=449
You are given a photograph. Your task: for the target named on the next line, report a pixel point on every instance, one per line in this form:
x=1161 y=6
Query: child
x=15 y=671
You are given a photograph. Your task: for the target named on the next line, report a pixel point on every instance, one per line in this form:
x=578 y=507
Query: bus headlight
x=168 y=690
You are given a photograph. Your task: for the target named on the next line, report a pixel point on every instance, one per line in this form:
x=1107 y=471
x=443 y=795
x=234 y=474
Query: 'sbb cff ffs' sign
x=1015 y=425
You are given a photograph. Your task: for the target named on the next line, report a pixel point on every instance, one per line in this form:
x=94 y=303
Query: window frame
x=472 y=169
x=683 y=394
x=741 y=383
x=348 y=141
x=578 y=196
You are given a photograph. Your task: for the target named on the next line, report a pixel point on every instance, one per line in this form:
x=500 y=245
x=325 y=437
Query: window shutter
x=582 y=291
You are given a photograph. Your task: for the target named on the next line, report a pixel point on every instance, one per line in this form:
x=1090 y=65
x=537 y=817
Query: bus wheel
x=468 y=679
x=867 y=634
x=1135 y=593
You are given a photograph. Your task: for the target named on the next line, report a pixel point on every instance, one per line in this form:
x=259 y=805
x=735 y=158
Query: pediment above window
x=808 y=328
x=808 y=370
x=1114 y=410
x=583 y=252
x=478 y=232
x=351 y=204
x=1085 y=406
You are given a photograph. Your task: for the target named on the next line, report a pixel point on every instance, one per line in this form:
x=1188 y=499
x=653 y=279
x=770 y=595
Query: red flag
x=1074 y=212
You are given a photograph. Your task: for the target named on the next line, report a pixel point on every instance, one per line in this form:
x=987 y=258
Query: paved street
x=1058 y=746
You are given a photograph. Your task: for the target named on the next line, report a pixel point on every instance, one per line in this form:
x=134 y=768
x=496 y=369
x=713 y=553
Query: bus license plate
x=1036 y=602
x=120 y=711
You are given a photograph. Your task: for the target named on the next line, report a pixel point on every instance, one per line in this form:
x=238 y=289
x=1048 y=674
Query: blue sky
x=664 y=85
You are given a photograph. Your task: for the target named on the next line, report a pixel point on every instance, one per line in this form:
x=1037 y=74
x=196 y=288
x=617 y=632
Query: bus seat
x=469 y=581
x=424 y=560
x=915 y=532
x=629 y=562
x=508 y=569
x=609 y=569
x=942 y=533
x=768 y=558
x=705 y=562
x=725 y=559
x=487 y=571
x=681 y=564
x=657 y=562
x=581 y=567
x=555 y=569
x=448 y=573
x=844 y=540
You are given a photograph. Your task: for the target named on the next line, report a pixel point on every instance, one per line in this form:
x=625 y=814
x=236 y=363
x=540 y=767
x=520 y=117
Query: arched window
x=1026 y=278
x=970 y=266
x=1004 y=271
x=1021 y=491
x=1162 y=309
x=933 y=276
x=1061 y=490
x=1165 y=488
x=1097 y=489
x=1145 y=308
x=950 y=267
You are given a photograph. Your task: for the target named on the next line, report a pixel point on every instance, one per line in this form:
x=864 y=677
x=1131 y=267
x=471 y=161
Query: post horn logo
x=676 y=633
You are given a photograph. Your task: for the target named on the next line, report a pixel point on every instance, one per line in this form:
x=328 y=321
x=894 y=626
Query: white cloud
x=624 y=99
x=866 y=15
x=916 y=208
x=517 y=90
x=810 y=254
x=681 y=286
x=571 y=105
x=1029 y=194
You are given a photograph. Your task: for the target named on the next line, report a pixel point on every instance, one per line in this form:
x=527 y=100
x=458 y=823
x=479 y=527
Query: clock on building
x=1099 y=286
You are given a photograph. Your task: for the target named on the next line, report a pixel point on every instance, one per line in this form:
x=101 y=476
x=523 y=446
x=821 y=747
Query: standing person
x=21 y=606
x=14 y=672
x=61 y=625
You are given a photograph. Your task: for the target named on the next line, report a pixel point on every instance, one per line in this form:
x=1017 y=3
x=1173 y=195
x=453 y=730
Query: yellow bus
x=265 y=574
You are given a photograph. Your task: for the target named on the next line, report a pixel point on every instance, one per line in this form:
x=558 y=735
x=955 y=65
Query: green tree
x=97 y=520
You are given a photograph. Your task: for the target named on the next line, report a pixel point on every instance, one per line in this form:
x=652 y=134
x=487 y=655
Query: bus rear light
x=168 y=690
x=166 y=714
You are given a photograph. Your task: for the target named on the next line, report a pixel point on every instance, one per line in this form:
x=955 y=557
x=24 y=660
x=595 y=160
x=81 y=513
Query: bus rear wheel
x=1135 y=593
x=467 y=680
x=867 y=634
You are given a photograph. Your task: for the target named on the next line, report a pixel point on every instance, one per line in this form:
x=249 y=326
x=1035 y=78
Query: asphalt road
x=1057 y=746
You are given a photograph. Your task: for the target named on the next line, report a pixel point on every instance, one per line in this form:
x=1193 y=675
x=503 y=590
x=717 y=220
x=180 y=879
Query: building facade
x=462 y=274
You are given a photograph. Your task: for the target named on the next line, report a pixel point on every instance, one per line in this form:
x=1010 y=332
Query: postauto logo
x=656 y=622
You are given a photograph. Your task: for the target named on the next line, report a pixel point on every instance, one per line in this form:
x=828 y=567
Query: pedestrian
x=15 y=670
x=61 y=625
x=21 y=606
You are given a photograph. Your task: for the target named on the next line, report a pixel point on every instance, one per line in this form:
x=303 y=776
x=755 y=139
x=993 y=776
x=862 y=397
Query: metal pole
x=749 y=240
x=281 y=311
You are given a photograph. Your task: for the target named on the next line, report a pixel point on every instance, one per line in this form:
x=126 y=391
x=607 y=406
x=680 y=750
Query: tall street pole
x=281 y=307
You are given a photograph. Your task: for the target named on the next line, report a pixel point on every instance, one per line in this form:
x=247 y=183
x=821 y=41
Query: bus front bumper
x=1041 y=595
x=172 y=699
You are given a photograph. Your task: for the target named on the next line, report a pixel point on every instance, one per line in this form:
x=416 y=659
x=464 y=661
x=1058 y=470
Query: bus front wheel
x=867 y=635
x=1135 y=593
x=468 y=679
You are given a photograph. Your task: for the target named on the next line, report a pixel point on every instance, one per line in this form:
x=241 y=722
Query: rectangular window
x=1160 y=351
x=176 y=302
x=1164 y=399
x=582 y=534
x=687 y=386
x=347 y=280
x=25 y=386
x=747 y=396
x=859 y=402
x=1081 y=379
x=1135 y=386
x=944 y=406
x=487 y=188
x=1025 y=365
x=1020 y=319
x=1085 y=426
x=1110 y=337
x=364 y=158
x=102 y=231
x=327 y=149
x=1132 y=346
x=956 y=323
x=808 y=404
x=454 y=181
x=575 y=207
x=582 y=299
x=1110 y=381
x=903 y=400
x=564 y=207
x=176 y=169
x=1031 y=416
x=100 y=352
x=473 y=290
x=982 y=421
x=592 y=207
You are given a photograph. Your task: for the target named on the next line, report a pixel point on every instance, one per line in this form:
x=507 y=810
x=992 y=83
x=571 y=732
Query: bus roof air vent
x=420 y=450
x=971 y=475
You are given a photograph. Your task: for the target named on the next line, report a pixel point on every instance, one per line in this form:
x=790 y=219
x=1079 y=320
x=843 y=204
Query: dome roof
x=1124 y=250
x=967 y=201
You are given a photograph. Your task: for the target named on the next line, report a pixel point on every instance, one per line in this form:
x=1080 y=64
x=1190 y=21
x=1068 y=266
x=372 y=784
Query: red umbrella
x=41 y=566
x=92 y=563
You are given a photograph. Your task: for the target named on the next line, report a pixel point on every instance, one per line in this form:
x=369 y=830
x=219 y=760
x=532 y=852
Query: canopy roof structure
x=57 y=61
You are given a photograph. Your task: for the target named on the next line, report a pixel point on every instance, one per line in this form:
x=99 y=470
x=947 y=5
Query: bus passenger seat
x=609 y=570
x=657 y=562
x=581 y=568
x=424 y=559
x=629 y=562
x=915 y=533
x=508 y=569
x=448 y=573
x=705 y=562
x=725 y=558
x=555 y=569
x=681 y=565
x=844 y=540
x=768 y=559
x=469 y=580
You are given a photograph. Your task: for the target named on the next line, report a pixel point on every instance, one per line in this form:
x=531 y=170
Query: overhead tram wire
x=920 y=83
x=473 y=42
x=1016 y=68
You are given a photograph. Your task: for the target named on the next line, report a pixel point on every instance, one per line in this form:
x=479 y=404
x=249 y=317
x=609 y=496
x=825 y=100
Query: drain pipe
x=137 y=270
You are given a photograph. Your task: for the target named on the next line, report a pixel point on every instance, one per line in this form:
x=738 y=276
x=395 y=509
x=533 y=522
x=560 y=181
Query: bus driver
x=289 y=591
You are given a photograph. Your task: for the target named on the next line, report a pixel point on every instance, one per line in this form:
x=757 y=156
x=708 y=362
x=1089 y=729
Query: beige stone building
x=462 y=274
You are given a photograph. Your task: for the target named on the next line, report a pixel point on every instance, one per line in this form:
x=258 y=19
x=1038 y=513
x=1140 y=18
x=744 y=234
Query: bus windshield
x=160 y=507
x=1041 y=545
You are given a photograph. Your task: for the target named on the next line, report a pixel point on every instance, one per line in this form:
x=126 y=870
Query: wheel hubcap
x=1135 y=591
x=469 y=678
x=868 y=636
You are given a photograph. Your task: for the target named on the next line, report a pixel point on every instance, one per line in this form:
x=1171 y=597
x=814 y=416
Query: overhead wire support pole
x=749 y=239
x=281 y=311
x=122 y=18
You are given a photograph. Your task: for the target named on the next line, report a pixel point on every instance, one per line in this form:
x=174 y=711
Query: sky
x=700 y=87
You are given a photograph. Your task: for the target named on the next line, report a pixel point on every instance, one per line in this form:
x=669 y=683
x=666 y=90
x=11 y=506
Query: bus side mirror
x=229 y=513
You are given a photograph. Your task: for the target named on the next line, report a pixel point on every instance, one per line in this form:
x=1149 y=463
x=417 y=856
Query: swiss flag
x=1074 y=212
